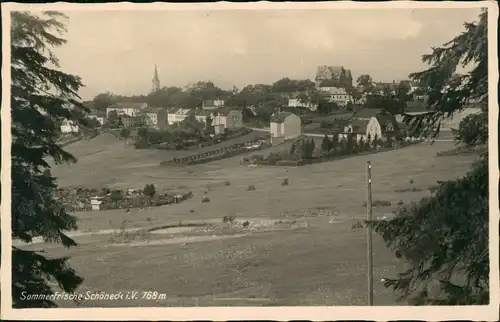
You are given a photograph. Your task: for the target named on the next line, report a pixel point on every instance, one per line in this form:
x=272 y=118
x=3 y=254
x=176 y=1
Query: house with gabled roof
x=155 y=117
x=370 y=124
x=182 y=113
x=333 y=76
x=284 y=126
x=227 y=118
x=171 y=115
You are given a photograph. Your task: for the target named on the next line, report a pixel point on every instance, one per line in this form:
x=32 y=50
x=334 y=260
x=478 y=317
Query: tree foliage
x=41 y=96
x=149 y=190
x=366 y=82
x=444 y=238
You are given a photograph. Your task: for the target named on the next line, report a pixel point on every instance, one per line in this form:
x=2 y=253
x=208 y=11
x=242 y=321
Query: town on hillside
x=332 y=104
x=240 y=158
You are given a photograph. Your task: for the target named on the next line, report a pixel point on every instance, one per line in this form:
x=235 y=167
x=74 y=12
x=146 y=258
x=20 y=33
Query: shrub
x=227 y=183
x=251 y=187
x=205 y=199
x=149 y=190
x=285 y=182
x=246 y=224
x=228 y=219
x=116 y=195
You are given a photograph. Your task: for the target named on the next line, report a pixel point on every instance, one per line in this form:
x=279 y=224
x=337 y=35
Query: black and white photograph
x=250 y=161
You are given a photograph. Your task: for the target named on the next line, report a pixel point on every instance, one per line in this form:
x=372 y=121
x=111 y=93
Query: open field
x=321 y=263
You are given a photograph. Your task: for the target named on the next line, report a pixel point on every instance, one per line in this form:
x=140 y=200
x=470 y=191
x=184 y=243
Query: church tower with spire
x=156 y=82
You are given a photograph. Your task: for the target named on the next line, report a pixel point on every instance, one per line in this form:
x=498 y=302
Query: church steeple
x=156 y=81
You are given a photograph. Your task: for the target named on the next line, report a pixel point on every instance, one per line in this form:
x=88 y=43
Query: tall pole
x=369 y=232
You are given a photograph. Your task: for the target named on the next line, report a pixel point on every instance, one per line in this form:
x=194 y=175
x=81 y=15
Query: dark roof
x=366 y=113
x=172 y=110
x=208 y=103
x=359 y=126
x=280 y=117
x=387 y=119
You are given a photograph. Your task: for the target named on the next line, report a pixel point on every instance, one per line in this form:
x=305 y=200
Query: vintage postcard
x=250 y=161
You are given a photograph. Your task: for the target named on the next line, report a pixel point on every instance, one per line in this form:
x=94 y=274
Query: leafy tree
x=116 y=195
x=362 y=144
x=387 y=103
x=35 y=111
x=143 y=138
x=92 y=123
x=287 y=85
x=125 y=134
x=403 y=92
x=149 y=190
x=349 y=144
x=325 y=144
x=472 y=130
x=334 y=142
x=142 y=133
x=312 y=148
x=102 y=101
x=191 y=124
x=209 y=122
x=114 y=120
x=444 y=237
x=366 y=82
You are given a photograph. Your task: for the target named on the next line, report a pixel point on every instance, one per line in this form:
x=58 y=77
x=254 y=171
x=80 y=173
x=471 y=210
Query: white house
x=295 y=102
x=127 y=108
x=337 y=95
x=212 y=104
x=69 y=126
x=171 y=115
x=182 y=114
x=285 y=126
x=227 y=118
x=155 y=117
x=177 y=115
x=203 y=116
x=96 y=202
x=379 y=126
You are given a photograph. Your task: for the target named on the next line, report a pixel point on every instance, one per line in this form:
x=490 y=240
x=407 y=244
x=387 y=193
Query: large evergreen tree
x=42 y=96
x=444 y=237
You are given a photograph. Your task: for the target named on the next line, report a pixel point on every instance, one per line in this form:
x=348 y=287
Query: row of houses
x=222 y=118
x=366 y=124
x=159 y=117
x=331 y=94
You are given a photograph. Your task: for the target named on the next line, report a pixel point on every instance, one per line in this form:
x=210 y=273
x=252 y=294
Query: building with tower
x=336 y=76
x=156 y=82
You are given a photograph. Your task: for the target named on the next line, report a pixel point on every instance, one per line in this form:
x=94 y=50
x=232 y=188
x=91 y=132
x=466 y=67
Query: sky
x=116 y=51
